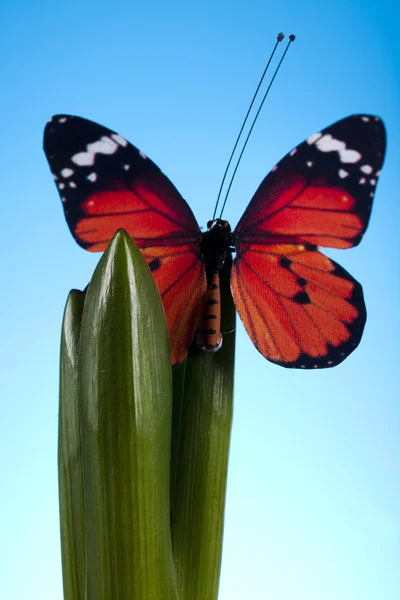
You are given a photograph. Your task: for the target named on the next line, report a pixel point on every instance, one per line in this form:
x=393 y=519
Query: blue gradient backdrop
x=313 y=495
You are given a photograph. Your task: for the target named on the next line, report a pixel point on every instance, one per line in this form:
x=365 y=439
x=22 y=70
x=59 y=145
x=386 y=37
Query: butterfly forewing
x=299 y=307
x=105 y=184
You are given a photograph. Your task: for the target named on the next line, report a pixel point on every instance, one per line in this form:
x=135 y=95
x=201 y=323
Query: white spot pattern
x=119 y=139
x=343 y=173
x=67 y=172
x=92 y=176
x=83 y=159
x=366 y=169
x=350 y=156
x=327 y=143
x=142 y=154
x=105 y=145
x=313 y=138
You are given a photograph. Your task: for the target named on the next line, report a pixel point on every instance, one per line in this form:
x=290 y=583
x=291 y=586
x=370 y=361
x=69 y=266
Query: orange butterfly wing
x=105 y=184
x=298 y=306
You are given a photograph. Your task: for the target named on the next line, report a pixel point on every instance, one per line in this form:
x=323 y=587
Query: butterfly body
x=216 y=243
x=298 y=306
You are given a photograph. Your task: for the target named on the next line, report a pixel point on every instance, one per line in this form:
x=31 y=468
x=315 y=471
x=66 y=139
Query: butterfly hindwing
x=299 y=307
x=105 y=184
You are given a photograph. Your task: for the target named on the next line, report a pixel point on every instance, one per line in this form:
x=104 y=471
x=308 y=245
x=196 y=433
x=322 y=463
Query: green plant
x=141 y=512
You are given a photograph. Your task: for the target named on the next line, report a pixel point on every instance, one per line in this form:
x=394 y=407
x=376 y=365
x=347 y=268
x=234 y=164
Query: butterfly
x=299 y=307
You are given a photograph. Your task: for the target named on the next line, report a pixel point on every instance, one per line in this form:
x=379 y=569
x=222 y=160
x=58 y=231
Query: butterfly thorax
x=215 y=245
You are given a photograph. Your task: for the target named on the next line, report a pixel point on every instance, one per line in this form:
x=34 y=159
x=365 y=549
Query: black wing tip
x=368 y=119
x=54 y=122
x=60 y=118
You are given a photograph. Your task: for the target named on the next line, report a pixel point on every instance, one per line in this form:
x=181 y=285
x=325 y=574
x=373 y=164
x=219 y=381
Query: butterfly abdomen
x=209 y=336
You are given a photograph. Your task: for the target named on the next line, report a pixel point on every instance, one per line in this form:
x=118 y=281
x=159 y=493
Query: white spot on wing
x=119 y=139
x=313 y=138
x=127 y=167
x=62 y=119
x=350 y=156
x=293 y=152
x=92 y=176
x=366 y=169
x=104 y=145
x=343 y=173
x=309 y=163
x=142 y=154
x=61 y=186
x=329 y=144
x=84 y=159
x=365 y=119
x=72 y=184
x=67 y=172
x=362 y=180
x=372 y=181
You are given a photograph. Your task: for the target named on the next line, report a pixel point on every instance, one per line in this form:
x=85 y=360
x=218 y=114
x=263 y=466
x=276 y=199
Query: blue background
x=313 y=494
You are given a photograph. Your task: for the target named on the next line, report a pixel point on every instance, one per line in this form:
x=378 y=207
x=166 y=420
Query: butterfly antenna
x=291 y=39
x=279 y=38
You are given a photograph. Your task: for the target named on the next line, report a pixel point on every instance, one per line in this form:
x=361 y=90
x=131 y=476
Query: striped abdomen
x=209 y=336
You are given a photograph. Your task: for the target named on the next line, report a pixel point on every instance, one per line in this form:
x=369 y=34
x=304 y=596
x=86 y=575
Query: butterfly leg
x=209 y=336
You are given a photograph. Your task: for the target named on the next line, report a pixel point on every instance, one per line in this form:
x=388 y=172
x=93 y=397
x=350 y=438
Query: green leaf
x=126 y=405
x=178 y=382
x=72 y=517
x=198 y=511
